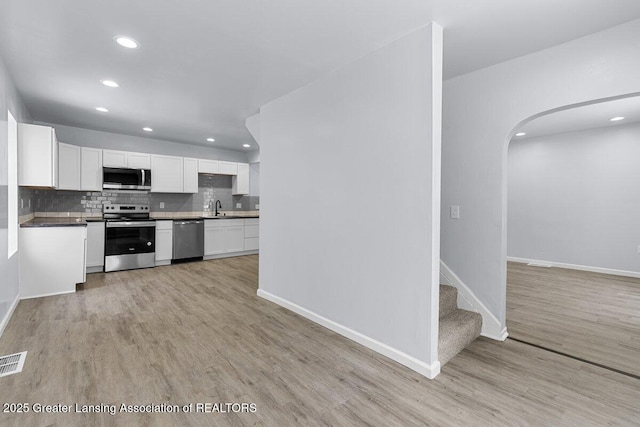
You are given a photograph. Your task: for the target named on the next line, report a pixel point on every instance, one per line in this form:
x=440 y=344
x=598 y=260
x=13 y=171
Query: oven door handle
x=132 y=224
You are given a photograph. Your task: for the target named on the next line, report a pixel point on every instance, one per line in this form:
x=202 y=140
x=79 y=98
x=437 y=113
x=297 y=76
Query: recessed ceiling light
x=109 y=83
x=211 y=140
x=147 y=129
x=102 y=109
x=127 y=42
x=521 y=134
x=246 y=145
x=616 y=119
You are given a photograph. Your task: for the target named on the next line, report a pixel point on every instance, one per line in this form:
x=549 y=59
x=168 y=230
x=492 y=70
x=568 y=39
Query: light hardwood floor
x=592 y=316
x=198 y=333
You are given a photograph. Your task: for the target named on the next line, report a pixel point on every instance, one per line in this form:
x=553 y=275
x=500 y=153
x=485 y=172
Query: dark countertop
x=56 y=222
x=82 y=222
x=193 y=218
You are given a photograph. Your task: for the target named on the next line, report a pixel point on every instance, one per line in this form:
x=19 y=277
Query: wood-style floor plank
x=198 y=333
x=593 y=316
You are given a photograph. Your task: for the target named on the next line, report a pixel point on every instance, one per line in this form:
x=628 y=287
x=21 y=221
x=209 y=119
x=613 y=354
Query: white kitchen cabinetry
x=222 y=236
x=227 y=168
x=208 y=166
x=138 y=160
x=125 y=159
x=190 y=179
x=37 y=156
x=95 y=246
x=52 y=260
x=251 y=234
x=114 y=159
x=164 y=242
x=166 y=174
x=68 y=167
x=91 y=169
x=241 y=180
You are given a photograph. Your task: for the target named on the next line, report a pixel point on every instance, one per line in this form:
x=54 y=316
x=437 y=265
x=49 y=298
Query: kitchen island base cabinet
x=52 y=260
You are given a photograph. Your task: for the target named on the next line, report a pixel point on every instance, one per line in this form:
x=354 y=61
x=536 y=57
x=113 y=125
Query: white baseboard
x=603 y=270
x=231 y=254
x=429 y=371
x=7 y=317
x=467 y=300
x=48 y=295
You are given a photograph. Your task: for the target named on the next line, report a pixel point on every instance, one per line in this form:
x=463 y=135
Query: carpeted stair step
x=448 y=300
x=457 y=330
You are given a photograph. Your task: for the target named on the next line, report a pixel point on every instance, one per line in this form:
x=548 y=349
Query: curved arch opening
x=569 y=241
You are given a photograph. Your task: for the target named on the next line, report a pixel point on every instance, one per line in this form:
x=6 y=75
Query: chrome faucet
x=218 y=204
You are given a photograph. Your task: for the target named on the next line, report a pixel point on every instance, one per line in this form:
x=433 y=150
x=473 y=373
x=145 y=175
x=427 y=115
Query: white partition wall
x=349 y=225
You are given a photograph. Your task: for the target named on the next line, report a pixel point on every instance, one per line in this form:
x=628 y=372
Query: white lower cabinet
x=230 y=236
x=234 y=237
x=95 y=246
x=251 y=234
x=52 y=260
x=164 y=242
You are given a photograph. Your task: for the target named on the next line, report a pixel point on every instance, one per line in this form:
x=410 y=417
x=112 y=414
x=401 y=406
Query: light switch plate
x=455 y=212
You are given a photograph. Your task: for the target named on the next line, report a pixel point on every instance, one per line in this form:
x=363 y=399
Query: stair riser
x=448 y=300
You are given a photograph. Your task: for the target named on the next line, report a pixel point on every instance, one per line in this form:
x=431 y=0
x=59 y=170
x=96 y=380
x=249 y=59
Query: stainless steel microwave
x=126 y=179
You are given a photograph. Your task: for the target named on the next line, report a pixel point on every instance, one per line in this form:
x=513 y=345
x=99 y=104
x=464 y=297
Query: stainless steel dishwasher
x=188 y=239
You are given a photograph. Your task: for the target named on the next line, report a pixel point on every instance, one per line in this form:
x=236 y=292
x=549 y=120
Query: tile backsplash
x=210 y=188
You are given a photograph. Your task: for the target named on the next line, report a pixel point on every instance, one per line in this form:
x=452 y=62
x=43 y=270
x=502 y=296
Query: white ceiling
x=581 y=118
x=204 y=66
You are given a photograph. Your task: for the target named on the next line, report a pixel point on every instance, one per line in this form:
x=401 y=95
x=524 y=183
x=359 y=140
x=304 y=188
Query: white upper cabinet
x=208 y=166
x=68 y=167
x=125 y=159
x=167 y=174
x=241 y=180
x=114 y=159
x=227 y=168
x=190 y=180
x=90 y=169
x=37 y=156
x=138 y=160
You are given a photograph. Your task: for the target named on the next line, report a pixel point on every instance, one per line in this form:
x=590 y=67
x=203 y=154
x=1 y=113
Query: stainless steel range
x=130 y=240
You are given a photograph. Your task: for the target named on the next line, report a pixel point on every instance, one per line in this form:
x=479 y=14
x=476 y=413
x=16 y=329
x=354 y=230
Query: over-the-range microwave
x=126 y=179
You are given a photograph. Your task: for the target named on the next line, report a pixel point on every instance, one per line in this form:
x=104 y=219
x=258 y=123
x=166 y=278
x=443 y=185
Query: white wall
x=574 y=198
x=116 y=141
x=349 y=204
x=9 y=100
x=254 y=179
x=480 y=111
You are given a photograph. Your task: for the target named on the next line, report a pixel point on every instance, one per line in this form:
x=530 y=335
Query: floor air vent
x=12 y=364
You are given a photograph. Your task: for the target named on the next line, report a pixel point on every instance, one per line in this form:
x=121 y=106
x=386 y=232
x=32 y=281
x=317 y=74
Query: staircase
x=458 y=328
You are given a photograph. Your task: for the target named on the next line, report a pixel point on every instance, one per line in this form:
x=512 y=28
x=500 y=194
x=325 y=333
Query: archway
x=559 y=210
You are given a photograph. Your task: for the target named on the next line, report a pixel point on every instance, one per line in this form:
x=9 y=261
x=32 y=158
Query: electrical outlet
x=161 y=205
x=238 y=205
x=257 y=206
x=455 y=212
x=21 y=203
x=639 y=249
